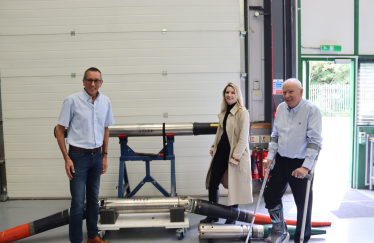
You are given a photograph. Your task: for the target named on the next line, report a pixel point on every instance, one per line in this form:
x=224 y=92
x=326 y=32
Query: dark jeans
x=219 y=167
x=277 y=185
x=86 y=180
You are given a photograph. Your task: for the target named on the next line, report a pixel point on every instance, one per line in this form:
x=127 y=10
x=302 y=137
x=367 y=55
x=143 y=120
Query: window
x=365 y=92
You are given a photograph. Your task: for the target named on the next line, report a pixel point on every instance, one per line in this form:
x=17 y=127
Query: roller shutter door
x=167 y=56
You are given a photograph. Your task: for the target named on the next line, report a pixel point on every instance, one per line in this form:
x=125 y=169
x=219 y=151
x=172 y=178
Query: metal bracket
x=243 y=34
x=73 y=75
x=258 y=8
x=257 y=14
x=243 y=76
x=72 y=33
x=3 y=198
x=164 y=73
x=164 y=31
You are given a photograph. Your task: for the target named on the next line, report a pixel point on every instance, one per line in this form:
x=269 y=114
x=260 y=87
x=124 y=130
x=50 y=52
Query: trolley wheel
x=181 y=233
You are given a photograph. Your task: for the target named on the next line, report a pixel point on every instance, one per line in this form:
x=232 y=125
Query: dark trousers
x=281 y=176
x=219 y=167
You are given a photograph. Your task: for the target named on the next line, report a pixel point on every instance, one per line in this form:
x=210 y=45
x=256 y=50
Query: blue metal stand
x=127 y=154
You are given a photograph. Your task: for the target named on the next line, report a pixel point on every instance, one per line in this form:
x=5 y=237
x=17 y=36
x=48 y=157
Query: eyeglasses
x=93 y=80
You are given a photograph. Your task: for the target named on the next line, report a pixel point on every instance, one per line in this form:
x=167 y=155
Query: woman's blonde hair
x=239 y=97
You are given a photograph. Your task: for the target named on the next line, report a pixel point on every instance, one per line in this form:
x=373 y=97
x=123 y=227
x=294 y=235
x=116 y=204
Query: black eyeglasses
x=93 y=80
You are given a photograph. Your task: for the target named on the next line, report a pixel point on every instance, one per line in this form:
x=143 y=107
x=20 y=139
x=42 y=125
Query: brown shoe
x=97 y=239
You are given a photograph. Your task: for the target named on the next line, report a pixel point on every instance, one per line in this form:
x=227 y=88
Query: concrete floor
x=17 y=212
x=329 y=188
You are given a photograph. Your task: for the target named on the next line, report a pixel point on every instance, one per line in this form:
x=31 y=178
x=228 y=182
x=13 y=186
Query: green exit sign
x=331 y=48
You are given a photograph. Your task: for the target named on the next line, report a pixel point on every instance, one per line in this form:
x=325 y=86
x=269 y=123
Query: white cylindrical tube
x=145 y=205
x=225 y=231
x=141 y=130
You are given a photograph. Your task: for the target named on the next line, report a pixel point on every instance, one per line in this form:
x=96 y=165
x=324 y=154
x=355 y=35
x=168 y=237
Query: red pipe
x=36 y=227
x=17 y=233
x=262 y=218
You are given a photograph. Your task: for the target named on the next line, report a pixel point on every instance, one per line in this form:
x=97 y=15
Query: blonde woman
x=230 y=153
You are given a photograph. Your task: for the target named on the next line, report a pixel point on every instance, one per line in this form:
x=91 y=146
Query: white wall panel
x=89 y=4
x=327 y=23
x=199 y=51
x=128 y=16
x=132 y=42
x=366 y=30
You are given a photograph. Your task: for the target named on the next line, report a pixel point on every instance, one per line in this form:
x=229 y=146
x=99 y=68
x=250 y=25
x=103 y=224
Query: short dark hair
x=93 y=69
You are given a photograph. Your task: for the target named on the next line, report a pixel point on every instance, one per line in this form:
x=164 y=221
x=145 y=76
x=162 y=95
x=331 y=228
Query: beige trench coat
x=239 y=176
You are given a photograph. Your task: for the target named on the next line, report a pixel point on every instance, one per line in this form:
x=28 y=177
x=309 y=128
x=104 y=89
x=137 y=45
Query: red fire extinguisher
x=264 y=168
x=255 y=170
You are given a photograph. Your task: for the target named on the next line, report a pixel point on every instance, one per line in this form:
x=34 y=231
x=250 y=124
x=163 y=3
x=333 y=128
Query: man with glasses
x=87 y=116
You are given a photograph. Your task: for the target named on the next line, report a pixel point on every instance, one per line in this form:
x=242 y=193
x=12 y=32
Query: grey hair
x=295 y=81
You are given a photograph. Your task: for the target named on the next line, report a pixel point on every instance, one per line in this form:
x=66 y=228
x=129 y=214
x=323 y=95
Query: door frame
x=304 y=75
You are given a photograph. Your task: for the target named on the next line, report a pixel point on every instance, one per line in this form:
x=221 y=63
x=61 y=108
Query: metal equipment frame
x=147 y=220
x=127 y=154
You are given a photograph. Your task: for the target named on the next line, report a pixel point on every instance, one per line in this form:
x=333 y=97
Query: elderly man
x=295 y=143
x=87 y=115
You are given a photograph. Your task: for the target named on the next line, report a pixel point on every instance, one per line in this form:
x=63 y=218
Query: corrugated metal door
x=44 y=44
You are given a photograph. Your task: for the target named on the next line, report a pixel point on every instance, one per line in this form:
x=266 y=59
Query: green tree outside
x=329 y=73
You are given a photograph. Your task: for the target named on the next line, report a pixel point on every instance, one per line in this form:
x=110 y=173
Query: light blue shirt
x=86 y=122
x=295 y=128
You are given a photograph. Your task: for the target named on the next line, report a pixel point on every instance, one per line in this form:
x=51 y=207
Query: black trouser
x=219 y=167
x=281 y=176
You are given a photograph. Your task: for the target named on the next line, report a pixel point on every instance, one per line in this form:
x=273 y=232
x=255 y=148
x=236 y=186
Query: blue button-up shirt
x=86 y=122
x=295 y=128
